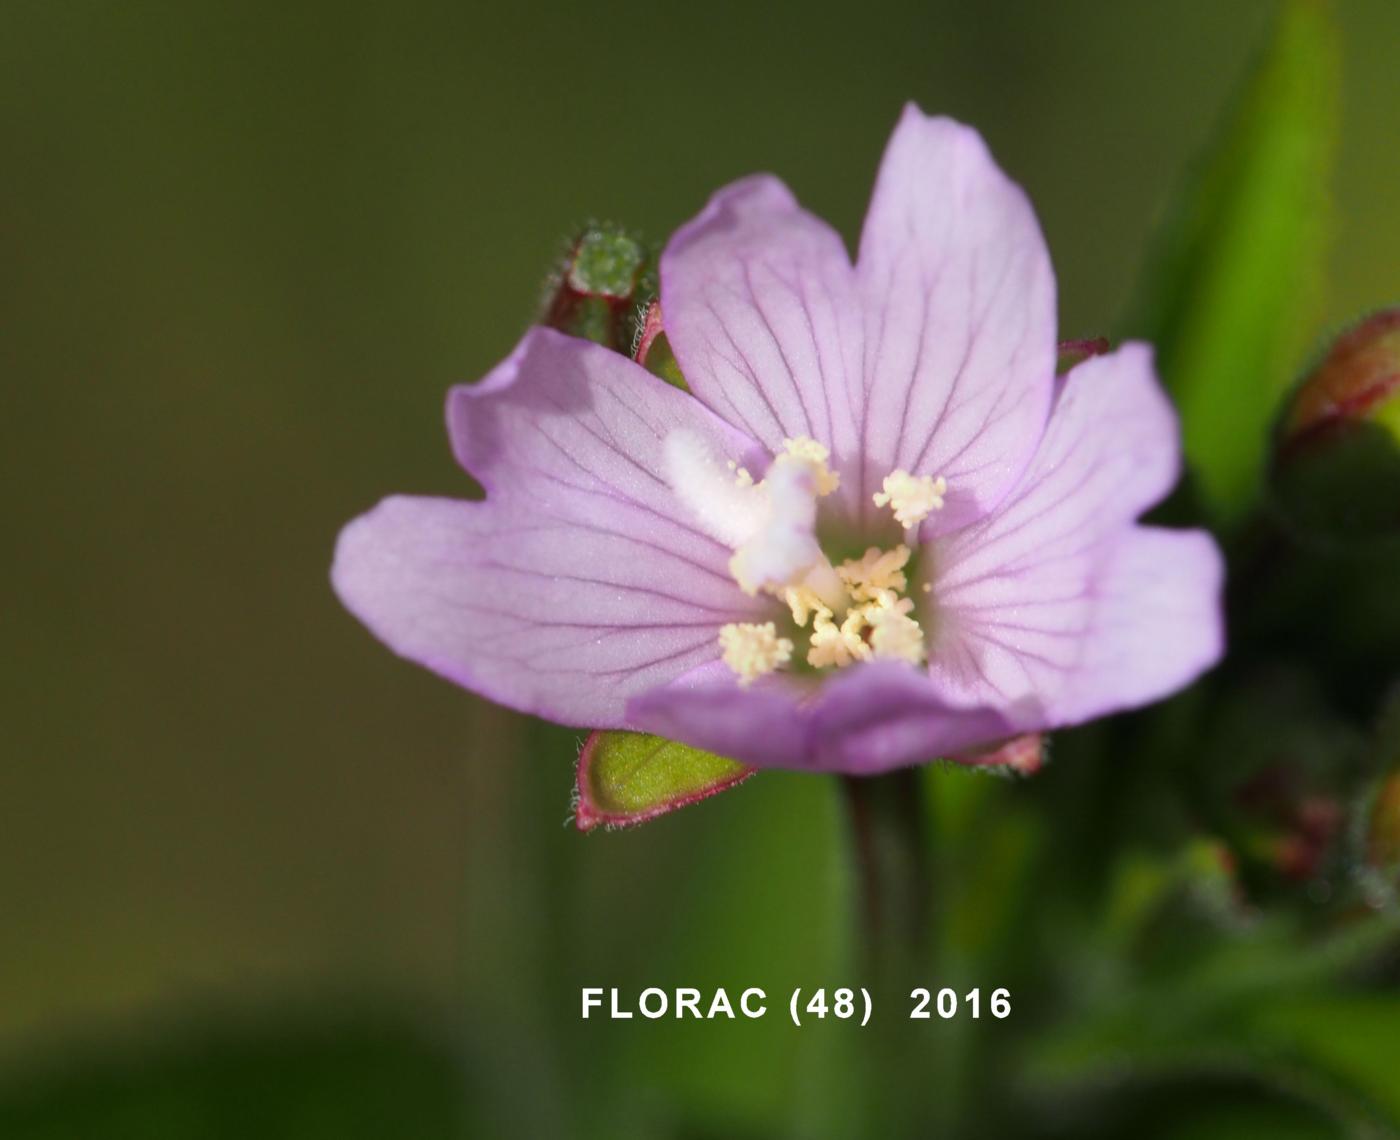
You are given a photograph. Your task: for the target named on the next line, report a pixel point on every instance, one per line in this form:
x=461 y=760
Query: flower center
x=851 y=611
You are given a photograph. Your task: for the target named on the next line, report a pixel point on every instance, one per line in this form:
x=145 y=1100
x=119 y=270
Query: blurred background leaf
x=1232 y=293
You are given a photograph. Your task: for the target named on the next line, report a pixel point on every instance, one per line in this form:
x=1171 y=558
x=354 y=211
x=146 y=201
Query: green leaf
x=1238 y=266
x=626 y=778
x=1353 y=1039
x=1234 y=1011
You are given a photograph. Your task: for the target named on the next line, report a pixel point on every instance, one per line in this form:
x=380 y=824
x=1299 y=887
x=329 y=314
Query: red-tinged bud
x=1357 y=379
x=601 y=286
x=1336 y=467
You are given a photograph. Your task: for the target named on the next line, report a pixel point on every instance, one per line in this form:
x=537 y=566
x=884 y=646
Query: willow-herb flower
x=877 y=529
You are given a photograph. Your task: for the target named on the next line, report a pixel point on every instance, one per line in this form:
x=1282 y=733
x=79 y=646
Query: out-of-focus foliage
x=348 y=1081
x=1239 y=261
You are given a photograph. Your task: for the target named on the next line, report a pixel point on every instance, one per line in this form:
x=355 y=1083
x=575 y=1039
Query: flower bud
x=1336 y=466
x=601 y=286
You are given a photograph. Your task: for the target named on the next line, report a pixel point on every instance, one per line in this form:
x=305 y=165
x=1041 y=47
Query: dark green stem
x=893 y=904
x=893 y=882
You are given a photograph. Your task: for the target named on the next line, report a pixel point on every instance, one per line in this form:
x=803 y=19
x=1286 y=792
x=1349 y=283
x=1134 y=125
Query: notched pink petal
x=1014 y=593
x=581 y=580
x=570 y=413
x=547 y=616
x=959 y=301
x=1157 y=623
x=761 y=312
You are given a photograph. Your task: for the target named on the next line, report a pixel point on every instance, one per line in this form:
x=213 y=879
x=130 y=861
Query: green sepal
x=626 y=778
x=653 y=349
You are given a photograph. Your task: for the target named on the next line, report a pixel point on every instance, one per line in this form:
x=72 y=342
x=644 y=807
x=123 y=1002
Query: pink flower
x=877 y=531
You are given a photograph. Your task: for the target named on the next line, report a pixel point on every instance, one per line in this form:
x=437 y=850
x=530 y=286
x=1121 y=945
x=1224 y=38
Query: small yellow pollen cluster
x=876 y=623
x=855 y=611
x=911 y=498
x=877 y=576
x=893 y=633
x=803 y=601
x=835 y=645
x=752 y=650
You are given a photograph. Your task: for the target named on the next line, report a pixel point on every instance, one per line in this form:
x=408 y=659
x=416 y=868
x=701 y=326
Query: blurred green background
x=258 y=876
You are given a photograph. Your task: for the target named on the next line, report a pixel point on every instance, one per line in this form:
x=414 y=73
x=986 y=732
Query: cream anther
x=752 y=649
x=893 y=633
x=834 y=645
x=877 y=574
x=911 y=498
